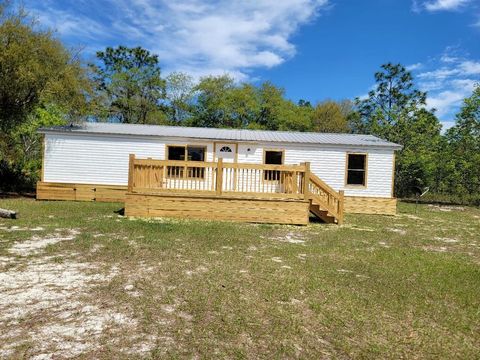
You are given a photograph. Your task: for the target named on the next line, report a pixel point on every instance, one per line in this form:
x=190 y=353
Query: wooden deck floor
x=281 y=194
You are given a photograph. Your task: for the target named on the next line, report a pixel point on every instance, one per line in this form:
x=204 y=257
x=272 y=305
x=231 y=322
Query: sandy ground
x=44 y=303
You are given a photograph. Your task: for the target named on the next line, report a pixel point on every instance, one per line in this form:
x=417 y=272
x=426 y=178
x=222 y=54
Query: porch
x=283 y=194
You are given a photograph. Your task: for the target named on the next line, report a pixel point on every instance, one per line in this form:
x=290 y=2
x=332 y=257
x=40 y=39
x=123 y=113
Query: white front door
x=226 y=151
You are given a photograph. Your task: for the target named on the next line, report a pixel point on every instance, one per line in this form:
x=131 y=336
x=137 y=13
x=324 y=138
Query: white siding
x=328 y=163
x=94 y=159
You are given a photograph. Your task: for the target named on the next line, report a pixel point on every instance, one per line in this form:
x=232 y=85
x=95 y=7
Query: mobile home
x=112 y=162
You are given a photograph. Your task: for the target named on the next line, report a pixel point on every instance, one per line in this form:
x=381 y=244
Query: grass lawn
x=77 y=280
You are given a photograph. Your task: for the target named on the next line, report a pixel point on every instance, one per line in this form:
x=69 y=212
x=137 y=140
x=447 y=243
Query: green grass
x=405 y=286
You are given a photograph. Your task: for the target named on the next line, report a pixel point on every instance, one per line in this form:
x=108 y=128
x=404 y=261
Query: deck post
x=341 y=204
x=131 y=167
x=306 y=181
x=219 y=178
x=295 y=183
x=42 y=171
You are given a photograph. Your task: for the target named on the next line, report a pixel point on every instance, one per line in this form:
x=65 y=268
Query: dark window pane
x=176 y=153
x=271 y=175
x=356 y=161
x=273 y=157
x=196 y=153
x=356 y=177
x=226 y=149
x=196 y=172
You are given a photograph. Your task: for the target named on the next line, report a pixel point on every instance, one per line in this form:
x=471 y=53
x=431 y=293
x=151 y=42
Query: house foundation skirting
x=80 y=192
x=117 y=193
x=370 y=205
x=223 y=208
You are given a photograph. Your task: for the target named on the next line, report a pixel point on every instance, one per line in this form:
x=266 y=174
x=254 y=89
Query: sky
x=314 y=49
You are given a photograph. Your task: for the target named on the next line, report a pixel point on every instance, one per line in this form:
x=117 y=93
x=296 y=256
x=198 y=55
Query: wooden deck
x=283 y=194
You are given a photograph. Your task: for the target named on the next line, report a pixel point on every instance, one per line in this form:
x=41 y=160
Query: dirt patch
x=19 y=228
x=409 y=216
x=199 y=270
x=36 y=244
x=398 y=231
x=47 y=305
x=291 y=238
x=445 y=208
x=446 y=240
x=440 y=249
x=357 y=228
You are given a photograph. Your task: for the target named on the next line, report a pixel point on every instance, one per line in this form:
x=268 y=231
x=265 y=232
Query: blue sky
x=315 y=49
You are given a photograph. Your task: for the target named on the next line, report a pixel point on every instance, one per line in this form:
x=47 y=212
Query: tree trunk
x=9 y=214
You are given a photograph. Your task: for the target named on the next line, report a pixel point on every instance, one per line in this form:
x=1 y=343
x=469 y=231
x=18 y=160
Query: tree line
x=42 y=83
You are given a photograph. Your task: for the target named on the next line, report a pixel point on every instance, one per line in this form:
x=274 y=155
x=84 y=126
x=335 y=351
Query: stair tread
x=323 y=197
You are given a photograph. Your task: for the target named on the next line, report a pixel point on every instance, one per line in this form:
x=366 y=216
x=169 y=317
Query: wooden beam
x=219 y=178
x=42 y=171
x=306 y=181
x=131 y=169
x=393 y=176
x=341 y=207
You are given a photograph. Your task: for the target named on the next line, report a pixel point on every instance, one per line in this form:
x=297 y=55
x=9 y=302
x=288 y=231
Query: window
x=176 y=153
x=273 y=158
x=195 y=153
x=189 y=153
x=356 y=169
x=226 y=149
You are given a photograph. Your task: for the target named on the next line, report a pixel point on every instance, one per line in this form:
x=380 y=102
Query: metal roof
x=224 y=134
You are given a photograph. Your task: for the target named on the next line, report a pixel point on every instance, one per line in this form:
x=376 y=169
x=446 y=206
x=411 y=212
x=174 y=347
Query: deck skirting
x=223 y=208
x=370 y=205
x=80 y=192
x=117 y=193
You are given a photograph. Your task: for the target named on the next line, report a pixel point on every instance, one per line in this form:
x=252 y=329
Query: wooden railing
x=322 y=194
x=216 y=178
x=221 y=178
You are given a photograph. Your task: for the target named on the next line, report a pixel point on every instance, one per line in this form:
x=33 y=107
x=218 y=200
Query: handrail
x=322 y=184
x=330 y=200
x=325 y=205
x=264 y=167
x=153 y=162
x=216 y=177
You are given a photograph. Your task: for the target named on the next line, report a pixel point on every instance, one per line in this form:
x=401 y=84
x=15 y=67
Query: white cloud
x=444 y=5
x=448 y=80
x=446 y=102
x=413 y=67
x=470 y=67
x=201 y=37
x=438 y=74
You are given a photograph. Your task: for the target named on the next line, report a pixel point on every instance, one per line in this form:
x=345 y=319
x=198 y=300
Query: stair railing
x=327 y=198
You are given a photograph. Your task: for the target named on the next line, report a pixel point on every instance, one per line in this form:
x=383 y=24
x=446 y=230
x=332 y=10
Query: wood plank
x=153 y=162
x=80 y=192
x=244 y=210
x=370 y=205
x=264 y=167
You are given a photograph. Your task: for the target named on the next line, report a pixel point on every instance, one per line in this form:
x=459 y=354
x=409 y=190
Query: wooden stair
x=322 y=214
x=325 y=203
